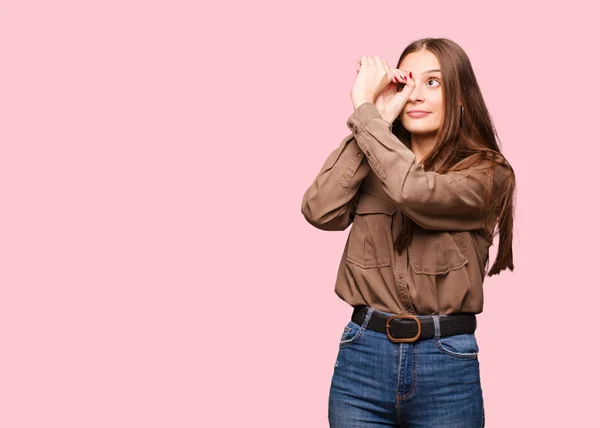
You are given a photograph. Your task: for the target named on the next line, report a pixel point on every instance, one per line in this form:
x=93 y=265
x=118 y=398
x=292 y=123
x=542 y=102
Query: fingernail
x=410 y=74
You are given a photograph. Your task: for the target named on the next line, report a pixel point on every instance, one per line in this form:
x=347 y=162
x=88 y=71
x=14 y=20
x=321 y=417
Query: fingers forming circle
x=388 y=72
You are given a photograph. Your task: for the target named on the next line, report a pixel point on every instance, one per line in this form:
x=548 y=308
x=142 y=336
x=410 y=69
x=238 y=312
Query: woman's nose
x=416 y=95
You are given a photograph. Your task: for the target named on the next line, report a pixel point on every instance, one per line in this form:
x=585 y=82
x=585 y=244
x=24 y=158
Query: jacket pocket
x=370 y=241
x=435 y=252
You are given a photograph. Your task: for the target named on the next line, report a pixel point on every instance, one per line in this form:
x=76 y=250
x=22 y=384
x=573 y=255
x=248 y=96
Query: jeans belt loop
x=436 y=323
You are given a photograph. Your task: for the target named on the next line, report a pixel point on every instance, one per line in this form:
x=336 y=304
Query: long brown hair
x=466 y=138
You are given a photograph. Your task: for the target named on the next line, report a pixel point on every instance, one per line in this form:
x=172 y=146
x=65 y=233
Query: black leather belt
x=409 y=328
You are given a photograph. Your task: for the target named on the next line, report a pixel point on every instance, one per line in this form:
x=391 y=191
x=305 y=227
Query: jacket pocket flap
x=369 y=204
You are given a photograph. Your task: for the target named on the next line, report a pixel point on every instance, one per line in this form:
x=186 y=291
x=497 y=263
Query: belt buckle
x=402 y=339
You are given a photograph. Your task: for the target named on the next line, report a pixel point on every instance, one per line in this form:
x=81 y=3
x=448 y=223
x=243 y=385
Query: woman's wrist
x=388 y=119
x=360 y=101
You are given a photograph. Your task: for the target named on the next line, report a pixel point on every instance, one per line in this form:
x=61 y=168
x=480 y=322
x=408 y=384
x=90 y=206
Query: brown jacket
x=369 y=181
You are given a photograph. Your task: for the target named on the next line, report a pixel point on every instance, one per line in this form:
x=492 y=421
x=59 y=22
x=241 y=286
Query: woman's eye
x=434 y=80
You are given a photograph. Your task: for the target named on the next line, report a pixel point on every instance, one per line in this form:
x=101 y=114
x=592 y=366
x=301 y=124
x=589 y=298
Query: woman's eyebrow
x=431 y=71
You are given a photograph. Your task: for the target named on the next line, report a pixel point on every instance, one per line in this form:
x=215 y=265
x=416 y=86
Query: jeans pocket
x=352 y=333
x=462 y=345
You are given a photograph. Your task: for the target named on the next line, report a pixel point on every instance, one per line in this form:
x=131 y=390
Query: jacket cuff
x=362 y=116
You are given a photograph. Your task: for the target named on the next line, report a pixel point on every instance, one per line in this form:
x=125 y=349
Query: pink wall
x=155 y=269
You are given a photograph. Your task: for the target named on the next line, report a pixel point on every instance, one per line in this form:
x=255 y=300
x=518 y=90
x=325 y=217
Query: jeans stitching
x=345 y=333
x=414 y=375
x=398 y=372
x=361 y=330
x=353 y=338
x=466 y=355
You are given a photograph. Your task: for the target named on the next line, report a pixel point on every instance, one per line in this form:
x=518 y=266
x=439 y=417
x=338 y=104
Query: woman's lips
x=418 y=114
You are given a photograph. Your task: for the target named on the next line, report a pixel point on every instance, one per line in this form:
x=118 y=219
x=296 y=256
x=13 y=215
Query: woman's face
x=427 y=94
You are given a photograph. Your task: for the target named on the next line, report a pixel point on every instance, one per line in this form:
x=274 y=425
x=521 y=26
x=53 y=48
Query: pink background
x=155 y=269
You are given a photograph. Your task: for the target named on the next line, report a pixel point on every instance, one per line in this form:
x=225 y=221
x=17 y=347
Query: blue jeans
x=430 y=383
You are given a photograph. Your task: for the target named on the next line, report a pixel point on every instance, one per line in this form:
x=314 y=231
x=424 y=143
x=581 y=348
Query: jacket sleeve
x=330 y=201
x=448 y=201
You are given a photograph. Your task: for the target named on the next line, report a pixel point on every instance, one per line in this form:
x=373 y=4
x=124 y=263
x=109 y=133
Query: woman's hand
x=376 y=82
x=392 y=99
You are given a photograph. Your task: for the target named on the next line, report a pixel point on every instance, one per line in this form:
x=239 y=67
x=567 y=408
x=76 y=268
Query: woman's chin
x=420 y=129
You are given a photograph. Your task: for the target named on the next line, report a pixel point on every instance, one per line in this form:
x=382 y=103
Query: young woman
x=424 y=185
